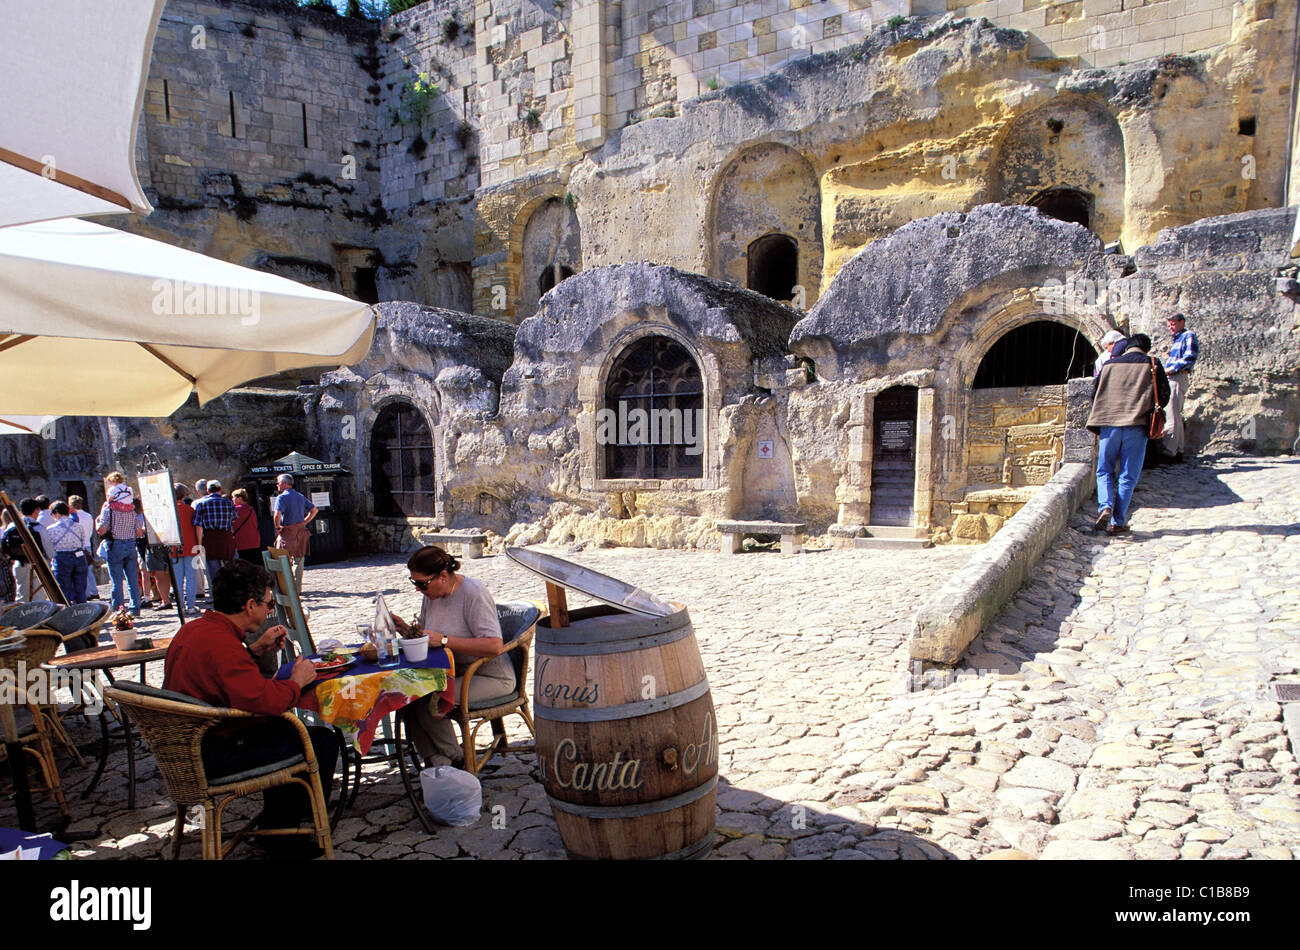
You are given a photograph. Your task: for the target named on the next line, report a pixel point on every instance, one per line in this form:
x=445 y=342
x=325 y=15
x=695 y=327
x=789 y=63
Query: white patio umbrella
x=24 y=425
x=73 y=75
x=96 y=321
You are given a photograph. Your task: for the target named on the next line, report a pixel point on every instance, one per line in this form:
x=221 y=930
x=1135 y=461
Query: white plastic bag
x=453 y=797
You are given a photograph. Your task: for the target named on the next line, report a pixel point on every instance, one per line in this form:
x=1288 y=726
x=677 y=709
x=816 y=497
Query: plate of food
x=332 y=664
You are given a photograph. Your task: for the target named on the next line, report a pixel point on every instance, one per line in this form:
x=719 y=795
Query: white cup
x=124 y=639
x=416 y=649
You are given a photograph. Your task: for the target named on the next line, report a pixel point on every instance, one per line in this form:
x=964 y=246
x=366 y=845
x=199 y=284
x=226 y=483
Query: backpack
x=12 y=545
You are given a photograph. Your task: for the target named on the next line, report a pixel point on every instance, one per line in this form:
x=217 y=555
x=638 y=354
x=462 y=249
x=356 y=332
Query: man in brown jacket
x=1129 y=388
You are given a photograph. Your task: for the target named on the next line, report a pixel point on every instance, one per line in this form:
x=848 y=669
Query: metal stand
x=151 y=464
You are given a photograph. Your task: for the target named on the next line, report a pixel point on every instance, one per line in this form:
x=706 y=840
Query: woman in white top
x=457 y=612
x=68 y=542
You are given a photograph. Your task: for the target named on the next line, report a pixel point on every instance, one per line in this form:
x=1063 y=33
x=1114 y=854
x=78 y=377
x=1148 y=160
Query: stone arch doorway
x=1065 y=157
x=403 y=471
x=766 y=190
x=652 y=420
x=1039 y=353
x=893 y=457
x=550 y=251
x=773 y=266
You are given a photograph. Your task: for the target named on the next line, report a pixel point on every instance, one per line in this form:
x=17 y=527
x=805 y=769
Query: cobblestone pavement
x=1118 y=708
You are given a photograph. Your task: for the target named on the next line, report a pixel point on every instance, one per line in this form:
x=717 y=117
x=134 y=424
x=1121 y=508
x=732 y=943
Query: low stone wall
x=946 y=624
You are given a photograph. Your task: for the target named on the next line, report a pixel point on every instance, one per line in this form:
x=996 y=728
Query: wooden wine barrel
x=627 y=741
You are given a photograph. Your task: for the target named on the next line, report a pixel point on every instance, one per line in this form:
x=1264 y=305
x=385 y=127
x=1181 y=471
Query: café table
x=110 y=657
x=358 y=701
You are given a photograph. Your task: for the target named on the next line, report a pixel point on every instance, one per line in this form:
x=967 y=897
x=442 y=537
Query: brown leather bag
x=1156 y=430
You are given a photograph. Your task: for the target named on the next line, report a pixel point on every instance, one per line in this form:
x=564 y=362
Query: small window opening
x=304 y=125
x=167 y=102
x=234 y=134
x=364 y=284
x=1065 y=204
x=1246 y=126
x=552 y=275
x=773 y=266
x=1042 y=353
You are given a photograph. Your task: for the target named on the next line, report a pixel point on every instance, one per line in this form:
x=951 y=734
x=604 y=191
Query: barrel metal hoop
x=545 y=648
x=627 y=628
x=699 y=849
x=636 y=811
x=627 y=710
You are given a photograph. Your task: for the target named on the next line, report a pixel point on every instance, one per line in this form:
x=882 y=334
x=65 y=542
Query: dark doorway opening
x=363 y=281
x=1065 y=204
x=773 y=266
x=893 y=457
x=76 y=488
x=552 y=275
x=1042 y=353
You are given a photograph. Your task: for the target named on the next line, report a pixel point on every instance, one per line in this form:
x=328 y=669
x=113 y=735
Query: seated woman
x=457 y=612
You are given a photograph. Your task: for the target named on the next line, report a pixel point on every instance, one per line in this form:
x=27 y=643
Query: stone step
x=892 y=544
x=895 y=531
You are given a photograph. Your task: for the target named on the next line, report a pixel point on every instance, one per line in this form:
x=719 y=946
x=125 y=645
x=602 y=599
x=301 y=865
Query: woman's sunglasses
x=422 y=585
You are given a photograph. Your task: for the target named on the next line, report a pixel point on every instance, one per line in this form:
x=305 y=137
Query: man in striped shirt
x=1178 y=367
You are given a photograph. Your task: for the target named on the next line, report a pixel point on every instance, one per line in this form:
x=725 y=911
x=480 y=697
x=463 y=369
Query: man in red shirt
x=208 y=659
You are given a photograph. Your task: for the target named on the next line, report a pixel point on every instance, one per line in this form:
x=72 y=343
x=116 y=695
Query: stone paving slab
x=1117 y=708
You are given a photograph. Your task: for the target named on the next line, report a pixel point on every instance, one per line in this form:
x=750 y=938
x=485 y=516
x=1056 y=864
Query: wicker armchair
x=34 y=724
x=174 y=725
x=79 y=625
x=518 y=623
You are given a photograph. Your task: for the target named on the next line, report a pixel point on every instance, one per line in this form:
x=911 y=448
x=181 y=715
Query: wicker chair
x=79 y=625
x=518 y=623
x=25 y=616
x=174 y=725
x=34 y=724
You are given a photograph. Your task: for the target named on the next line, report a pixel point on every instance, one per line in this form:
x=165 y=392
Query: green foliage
x=397 y=6
x=570 y=200
x=895 y=21
x=533 y=118
x=325 y=5
x=714 y=84
x=417 y=99
x=451 y=26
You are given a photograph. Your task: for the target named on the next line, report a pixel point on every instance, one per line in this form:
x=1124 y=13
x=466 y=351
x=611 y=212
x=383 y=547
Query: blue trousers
x=70 y=571
x=186 y=590
x=122 y=560
x=1119 y=466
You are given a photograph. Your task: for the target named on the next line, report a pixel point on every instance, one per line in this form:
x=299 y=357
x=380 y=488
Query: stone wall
x=1229 y=275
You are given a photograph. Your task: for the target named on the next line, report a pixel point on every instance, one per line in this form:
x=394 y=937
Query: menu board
x=157 y=495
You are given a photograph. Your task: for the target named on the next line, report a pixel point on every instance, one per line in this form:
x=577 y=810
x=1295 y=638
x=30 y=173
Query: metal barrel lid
x=606 y=589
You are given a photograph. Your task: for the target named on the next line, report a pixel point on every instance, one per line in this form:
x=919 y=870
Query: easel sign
x=157 y=494
x=41 y=566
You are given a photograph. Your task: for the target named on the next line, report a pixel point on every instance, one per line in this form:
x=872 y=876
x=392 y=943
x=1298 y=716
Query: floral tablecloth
x=356 y=703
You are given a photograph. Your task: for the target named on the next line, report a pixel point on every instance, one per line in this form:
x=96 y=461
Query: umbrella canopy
x=97 y=321
x=24 y=425
x=73 y=75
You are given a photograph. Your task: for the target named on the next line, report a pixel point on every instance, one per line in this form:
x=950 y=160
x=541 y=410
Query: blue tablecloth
x=11 y=838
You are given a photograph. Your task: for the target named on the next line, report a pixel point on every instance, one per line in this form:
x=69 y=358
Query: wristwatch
x=444 y=640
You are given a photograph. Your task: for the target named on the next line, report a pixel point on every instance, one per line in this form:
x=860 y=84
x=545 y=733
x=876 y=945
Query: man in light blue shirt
x=292 y=512
x=1183 y=354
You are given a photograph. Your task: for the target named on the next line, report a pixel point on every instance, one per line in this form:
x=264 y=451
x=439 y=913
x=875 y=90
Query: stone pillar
x=589 y=72
x=855 y=490
x=1080 y=444
x=923 y=495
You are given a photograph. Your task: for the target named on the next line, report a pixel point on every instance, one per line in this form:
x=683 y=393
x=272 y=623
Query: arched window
x=774 y=266
x=551 y=275
x=1065 y=204
x=1042 y=353
x=652 y=423
x=401 y=463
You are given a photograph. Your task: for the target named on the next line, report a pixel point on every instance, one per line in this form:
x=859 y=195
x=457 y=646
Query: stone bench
x=734 y=533
x=471 y=543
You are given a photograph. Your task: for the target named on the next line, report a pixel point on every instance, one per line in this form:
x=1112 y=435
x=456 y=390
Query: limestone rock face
x=908 y=282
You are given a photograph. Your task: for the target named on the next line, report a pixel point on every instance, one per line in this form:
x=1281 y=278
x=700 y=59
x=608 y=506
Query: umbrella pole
x=176 y=590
